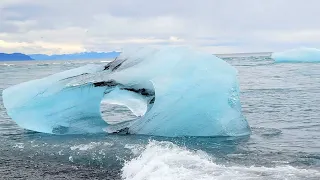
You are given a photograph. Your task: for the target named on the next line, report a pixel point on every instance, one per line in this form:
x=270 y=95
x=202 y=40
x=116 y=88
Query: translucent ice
x=297 y=55
x=173 y=91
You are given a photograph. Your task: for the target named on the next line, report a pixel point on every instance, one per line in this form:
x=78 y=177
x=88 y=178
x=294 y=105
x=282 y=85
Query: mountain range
x=75 y=56
x=14 y=57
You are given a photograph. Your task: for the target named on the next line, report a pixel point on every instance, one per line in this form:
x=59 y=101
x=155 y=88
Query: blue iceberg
x=297 y=55
x=174 y=91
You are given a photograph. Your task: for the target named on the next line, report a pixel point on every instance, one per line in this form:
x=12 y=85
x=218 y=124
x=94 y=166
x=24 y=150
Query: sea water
x=280 y=102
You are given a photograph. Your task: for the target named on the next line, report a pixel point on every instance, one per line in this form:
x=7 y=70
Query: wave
x=165 y=160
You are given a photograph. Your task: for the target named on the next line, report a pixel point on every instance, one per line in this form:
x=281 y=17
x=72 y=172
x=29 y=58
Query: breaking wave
x=167 y=161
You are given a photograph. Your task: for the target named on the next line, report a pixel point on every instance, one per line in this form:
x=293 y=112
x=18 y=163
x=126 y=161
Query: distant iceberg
x=297 y=55
x=174 y=91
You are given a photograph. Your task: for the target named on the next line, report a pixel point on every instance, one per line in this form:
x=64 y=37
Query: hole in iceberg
x=114 y=113
x=124 y=105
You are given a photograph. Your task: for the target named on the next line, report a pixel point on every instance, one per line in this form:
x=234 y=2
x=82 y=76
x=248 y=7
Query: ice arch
x=185 y=92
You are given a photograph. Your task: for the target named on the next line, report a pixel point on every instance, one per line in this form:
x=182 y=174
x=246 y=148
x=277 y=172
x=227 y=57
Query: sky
x=217 y=26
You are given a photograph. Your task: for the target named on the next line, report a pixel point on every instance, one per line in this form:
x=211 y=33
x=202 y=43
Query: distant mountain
x=76 y=56
x=14 y=57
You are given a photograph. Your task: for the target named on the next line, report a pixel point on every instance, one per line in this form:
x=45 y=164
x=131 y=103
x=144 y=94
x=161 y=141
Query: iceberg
x=297 y=55
x=173 y=91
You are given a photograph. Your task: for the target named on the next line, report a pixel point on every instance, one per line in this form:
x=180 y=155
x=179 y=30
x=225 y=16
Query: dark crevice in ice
x=117 y=66
x=143 y=91
x=122 y=131
x=113 y=83
x=114 y=65
x=107 y=67
x=152 y=100
x=110 y=83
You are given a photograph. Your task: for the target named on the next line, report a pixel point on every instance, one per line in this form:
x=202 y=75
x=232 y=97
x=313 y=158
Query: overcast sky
x=218 y=26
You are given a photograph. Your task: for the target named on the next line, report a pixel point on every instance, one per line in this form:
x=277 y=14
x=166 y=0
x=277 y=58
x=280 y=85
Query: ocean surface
x=280 y=101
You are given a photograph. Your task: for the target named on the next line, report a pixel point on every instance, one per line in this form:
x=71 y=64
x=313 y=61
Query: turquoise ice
x=174 y=91
x=298 y=55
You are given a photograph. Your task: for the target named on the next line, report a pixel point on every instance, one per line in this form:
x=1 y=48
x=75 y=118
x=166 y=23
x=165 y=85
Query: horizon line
x=263 y=52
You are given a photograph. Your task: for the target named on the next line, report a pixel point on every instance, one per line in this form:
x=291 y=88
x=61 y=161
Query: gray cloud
x=102 y=25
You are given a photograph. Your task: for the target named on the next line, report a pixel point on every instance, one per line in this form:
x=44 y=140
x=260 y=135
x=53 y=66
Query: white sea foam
x=167 y=161
x=91 y=145
x=135 y=149
x=19 y=145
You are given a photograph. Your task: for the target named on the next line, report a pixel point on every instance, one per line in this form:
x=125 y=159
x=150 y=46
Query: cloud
x=44 y=47
x=102 y=25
